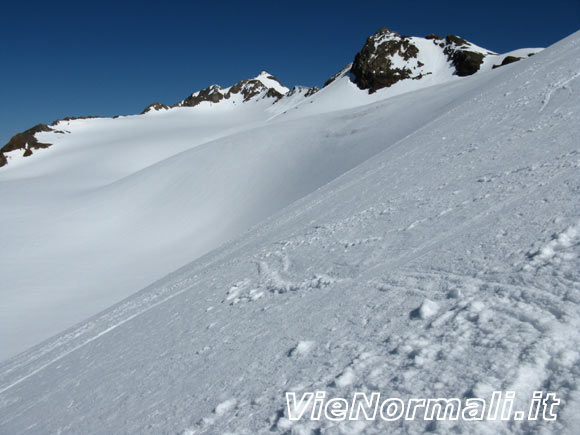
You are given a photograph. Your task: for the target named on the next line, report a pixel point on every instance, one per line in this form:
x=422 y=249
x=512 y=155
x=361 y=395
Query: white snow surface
x=459 y=202
x=117 y=203
x=265 y=78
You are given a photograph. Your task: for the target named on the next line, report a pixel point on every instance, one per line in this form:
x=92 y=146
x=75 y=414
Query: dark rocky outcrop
x=455 y=40
x=156 y=106
x=305 y=90
x=25 y=141
x=466 y=62
x=507 y=60
x=311 y=91
x=388 y=57
x=273 y=93
x=373 y=68
x=248 y=88
x=211 y=94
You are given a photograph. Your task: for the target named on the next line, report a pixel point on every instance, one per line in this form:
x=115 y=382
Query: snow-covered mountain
x=421 y=240
x=387 y=59
x=96 y=208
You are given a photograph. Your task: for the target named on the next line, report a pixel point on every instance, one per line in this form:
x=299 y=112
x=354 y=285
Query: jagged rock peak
x=302 y=90
x=155 y=107
x=264 y=85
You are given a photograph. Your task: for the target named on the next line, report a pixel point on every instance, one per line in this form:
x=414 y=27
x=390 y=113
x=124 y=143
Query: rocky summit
x=264 y=85
x=388 y=58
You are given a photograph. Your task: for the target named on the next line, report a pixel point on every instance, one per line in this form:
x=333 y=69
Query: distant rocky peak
x=155 y=107
x=264 y=85
x=270 y=81
x=212 y=94
x=301 y=91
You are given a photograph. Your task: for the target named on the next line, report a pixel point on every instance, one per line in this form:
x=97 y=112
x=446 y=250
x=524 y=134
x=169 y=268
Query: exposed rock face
x=376 y=66
x=273 y=93
x=304 y=90
x=211 y=94
x=507 y=60
x=388 y=57
x=455 y=40
x=247 y=88
x=25 y=141
x=156 y=107
x=466 y=62
x=311 y=91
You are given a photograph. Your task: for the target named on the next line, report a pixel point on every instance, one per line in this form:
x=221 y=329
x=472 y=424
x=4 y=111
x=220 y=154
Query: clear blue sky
x=107 y=58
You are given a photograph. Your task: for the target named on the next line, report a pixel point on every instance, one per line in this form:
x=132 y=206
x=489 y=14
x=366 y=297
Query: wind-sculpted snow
x=118 y=203
x=447 y=264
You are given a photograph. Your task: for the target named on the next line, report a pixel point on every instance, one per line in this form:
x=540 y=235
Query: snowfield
x=115 y=204
x=423 y=245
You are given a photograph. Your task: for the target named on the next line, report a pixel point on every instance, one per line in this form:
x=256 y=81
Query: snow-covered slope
x=162 y=189
x=467 y=204
x=104 y=206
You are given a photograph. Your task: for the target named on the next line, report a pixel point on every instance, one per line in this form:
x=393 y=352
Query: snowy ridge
x=445 y=263
x=264 y=85
x=409 y=63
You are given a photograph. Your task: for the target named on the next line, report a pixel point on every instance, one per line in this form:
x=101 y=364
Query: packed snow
x=423 y=245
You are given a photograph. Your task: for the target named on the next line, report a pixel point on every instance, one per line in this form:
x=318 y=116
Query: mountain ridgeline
x=386 y=59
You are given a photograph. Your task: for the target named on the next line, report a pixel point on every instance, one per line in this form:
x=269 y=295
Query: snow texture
x=457 y=202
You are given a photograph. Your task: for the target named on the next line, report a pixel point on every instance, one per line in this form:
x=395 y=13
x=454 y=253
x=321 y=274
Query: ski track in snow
x=457 y=280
